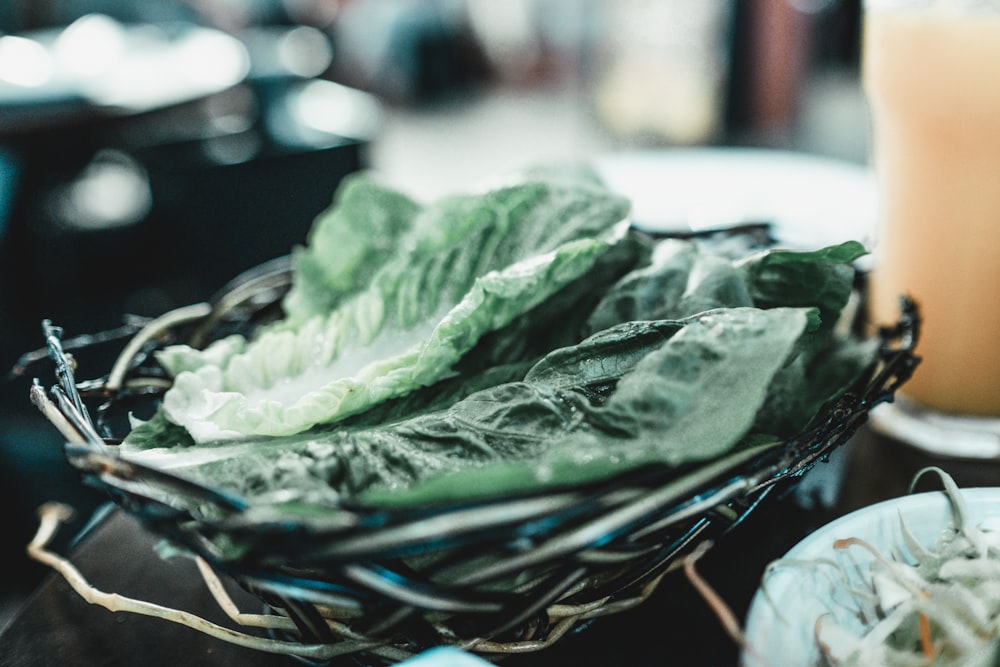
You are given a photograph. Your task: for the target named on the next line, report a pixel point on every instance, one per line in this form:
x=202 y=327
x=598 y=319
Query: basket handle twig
x=52 y=515
x=116 y=376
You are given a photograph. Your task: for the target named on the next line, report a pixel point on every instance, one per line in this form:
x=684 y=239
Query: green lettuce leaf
x=670 y=392
x=511 y=340
x=468 y=265
x=347 y=244
x=683 y=277
x=693 y=399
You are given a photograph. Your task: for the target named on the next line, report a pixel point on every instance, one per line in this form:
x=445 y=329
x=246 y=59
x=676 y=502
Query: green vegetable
x=342 y=256
x=468 y=266
x=513 y=340
x=674 y=403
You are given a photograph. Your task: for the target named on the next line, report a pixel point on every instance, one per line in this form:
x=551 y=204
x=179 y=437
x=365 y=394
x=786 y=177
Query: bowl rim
x=920 y=511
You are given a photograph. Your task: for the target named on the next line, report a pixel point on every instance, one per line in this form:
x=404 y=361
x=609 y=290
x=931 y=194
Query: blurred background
x=150 y=150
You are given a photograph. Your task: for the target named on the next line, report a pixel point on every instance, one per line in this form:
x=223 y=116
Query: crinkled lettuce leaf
x=683 y=277
x=516 y=339
x=467 y=265
x=670 y=392
x=347 y=244
x=692 y=399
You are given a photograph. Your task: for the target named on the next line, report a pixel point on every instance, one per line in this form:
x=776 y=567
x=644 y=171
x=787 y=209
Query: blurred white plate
x=810 y=200
x=786 y=638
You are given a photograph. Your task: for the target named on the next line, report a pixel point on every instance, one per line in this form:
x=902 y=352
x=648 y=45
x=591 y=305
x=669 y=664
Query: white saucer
x=810 y=200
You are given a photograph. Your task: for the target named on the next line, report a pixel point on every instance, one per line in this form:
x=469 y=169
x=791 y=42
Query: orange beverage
x=932 y=79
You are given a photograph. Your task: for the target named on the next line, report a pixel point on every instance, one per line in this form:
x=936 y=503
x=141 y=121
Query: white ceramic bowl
x=780 y=626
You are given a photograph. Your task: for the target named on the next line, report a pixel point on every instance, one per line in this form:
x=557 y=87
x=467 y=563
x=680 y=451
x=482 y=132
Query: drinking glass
x=931 y=75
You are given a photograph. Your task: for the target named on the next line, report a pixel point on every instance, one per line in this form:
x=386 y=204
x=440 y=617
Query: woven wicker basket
x=495 y=576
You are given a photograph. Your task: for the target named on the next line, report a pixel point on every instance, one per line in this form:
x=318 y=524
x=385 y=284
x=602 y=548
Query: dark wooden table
x=675 y=626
